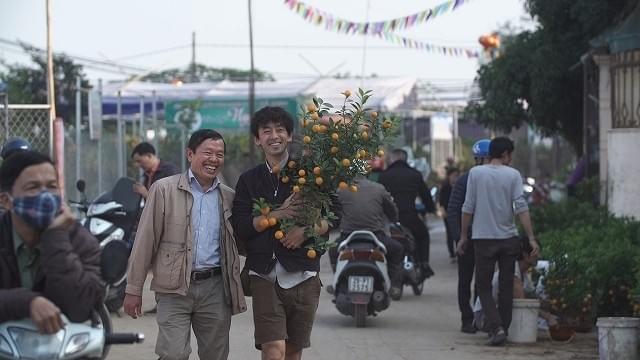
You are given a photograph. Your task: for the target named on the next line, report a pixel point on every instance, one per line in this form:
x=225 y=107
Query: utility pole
x=193 y=56
x=454 y=118
x=120 y=134
x=4 y=92
x=252 y=87
x=51 y=96
x=364 y=48
x=100 y=181
x=78 y=131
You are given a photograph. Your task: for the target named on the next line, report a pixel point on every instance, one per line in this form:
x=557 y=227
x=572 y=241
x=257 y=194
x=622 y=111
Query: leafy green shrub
x=570 y=213
x=595 y=257
x=595 y=265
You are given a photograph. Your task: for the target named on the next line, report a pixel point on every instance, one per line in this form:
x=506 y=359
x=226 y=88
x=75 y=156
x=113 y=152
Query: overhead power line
x=82 y=59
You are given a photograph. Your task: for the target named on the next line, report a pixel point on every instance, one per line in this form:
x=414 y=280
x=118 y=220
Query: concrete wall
x=623 y=187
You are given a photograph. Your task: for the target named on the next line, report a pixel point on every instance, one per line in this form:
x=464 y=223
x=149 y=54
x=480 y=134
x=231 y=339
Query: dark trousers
x=488 y=253
x=395 y=253
x=420 y=233
x=451 y=245
x=466 y=266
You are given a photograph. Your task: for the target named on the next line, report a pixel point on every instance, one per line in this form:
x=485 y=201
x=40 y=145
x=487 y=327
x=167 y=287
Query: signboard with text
x=220 y=113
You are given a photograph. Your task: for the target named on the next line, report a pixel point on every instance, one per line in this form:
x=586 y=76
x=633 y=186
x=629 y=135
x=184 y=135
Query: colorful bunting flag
x=400 y=23
x=385 y=29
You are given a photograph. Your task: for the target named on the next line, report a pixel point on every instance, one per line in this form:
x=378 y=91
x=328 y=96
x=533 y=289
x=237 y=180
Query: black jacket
x=164 y=170
x=68 y=273
x=445 y=194
x=405 y=184
x=454 y=209
x=260 y=247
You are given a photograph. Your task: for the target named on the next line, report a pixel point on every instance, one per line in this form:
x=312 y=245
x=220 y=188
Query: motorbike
x=112 y=216
x=413 y=274
x=361 y=283
x=89 y=340
x=21 y=340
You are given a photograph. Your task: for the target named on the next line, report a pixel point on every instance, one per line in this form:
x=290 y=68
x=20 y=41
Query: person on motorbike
x=49 y=263
x=372 y=208
x=144 y=157
x=13 y=146
x=10 y=147
x=466 y=261
x=405 y=184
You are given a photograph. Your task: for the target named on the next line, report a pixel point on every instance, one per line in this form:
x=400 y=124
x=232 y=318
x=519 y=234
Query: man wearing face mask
x=49 y=264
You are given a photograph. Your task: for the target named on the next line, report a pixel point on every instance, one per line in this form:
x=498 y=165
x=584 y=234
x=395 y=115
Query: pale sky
x=119 y=29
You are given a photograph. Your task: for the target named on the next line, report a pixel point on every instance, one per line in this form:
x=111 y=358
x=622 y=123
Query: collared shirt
x=27 y=260
x=284 y=278
x=279 y=274
x=205 y=222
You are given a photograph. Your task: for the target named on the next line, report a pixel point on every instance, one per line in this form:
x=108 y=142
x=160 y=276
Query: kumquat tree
x=337 y=147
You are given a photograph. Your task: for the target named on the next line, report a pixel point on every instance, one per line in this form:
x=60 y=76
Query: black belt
x=205 y=274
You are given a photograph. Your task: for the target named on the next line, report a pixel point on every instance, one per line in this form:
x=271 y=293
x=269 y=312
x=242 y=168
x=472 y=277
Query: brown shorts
x=284 y=314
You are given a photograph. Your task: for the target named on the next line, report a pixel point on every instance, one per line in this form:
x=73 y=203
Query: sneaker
x=468 y=329
x=427 y=271
x=330 y=289
x=498 y=338
x=395 y=293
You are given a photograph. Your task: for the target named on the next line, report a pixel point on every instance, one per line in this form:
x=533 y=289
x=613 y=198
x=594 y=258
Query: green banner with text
x=220 y=113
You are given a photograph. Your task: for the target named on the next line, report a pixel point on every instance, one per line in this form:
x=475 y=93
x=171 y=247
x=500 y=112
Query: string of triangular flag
x=331 y=22
x=384 y=29
x=421 y=45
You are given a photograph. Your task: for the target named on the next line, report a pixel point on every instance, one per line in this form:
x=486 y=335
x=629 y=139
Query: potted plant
x=593 y=272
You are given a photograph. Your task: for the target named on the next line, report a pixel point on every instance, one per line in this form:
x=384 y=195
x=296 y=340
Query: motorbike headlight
x=33 y=345
x=77 y=343
x=91 y=210
x=5 y=348
x=527 y=188
x=117 y=234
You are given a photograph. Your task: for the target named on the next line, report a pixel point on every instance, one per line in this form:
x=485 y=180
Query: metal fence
x=30 y=122
x=625 y=89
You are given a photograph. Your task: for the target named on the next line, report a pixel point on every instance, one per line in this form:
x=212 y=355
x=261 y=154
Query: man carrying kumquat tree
x=283 y=271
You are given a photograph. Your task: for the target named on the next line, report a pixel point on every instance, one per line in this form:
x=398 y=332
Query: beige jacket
x=164 y=242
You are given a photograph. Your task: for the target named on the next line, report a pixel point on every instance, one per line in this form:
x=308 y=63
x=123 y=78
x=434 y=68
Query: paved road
x=415 y=328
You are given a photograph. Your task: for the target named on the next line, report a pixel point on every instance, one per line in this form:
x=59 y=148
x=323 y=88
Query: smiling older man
x=186 y=238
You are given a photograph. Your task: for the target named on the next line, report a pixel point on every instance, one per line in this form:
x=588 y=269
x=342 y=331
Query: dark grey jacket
x=371 y=208
x=454 y=209
x=68 y=274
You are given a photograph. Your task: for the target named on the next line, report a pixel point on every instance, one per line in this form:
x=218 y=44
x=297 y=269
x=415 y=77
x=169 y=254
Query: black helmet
x=14 y=145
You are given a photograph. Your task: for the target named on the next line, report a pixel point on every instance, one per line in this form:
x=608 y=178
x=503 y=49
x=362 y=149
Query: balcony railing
x=625 y=89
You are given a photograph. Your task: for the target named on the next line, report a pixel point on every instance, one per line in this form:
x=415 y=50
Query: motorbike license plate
x=361 y=284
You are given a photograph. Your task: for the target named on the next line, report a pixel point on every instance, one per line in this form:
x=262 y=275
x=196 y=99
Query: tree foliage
x=28 y=84
x=203 y=73
x=537 y=78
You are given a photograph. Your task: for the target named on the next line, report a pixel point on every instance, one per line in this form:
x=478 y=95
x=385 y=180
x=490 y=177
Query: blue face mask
x=38 y=211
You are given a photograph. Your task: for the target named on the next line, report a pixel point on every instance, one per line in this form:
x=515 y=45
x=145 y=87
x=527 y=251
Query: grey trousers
x=204 y=309
x=488 y=252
